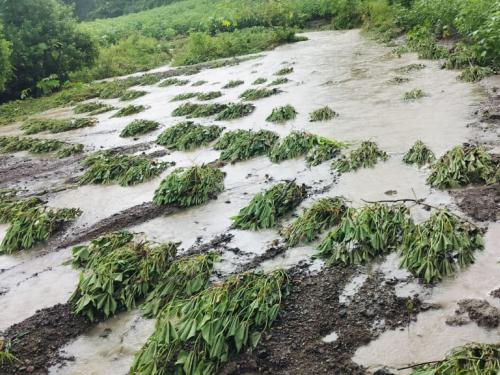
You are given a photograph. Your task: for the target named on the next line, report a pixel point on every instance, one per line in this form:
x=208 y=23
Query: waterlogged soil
x=337 y=320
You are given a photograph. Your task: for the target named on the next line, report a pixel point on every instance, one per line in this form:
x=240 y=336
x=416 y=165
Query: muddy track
x=293 y=345
x=482 y=203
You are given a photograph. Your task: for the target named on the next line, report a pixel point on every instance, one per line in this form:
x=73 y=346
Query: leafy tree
x=45 y=42
x=5 y=67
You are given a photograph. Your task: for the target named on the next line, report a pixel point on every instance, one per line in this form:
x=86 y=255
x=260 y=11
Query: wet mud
x=482 y=203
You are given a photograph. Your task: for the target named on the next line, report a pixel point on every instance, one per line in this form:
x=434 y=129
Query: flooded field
x=352 y=75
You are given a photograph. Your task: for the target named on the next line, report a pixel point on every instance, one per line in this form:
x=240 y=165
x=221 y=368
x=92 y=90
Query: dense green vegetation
x=139 y=127
x=188 y=135
x=365 y=156
x=38 y=146
x=245 y=144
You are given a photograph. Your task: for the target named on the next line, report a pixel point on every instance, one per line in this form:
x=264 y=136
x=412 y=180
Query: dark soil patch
x=475 y=310
x=294 y=344
x=36 y=341
x=482 y=203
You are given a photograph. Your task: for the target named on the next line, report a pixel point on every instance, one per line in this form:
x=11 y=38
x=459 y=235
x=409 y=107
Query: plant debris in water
x=186 y=277
x=398 y=80
x=266 y=208
x=70 y=150
x=255 y=94
x=193 y=337
x=209 y=95
x=245 y=144
x=366 y=233
x=105 y=167
x=199 y=83
x=440 y=246
x=234 y=111
x=322 y=215
x=419 y=154
x=93 y=108
x=322 y=114
x=34 y=225
x=284 y=71
x=115 y=280
x=38 y=146
x=461 y=166
x=194 y=110
x=129 y=110
x=173 y=82
x=323 y=150
x=186 y=187
x=414 y=95
x=132 y=94
x=10 y=207
x=279 y=81
x=410 y=68
x=475 y=73
x=259 y=81
x=473 y=358
x=183 y=96
x=365 y=156
x=56 y=126
x=188 y=135
x=139 y=127
x=233 y=83
x=282 y=114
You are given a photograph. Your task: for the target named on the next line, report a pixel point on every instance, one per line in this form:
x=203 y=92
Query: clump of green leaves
x=132 y=94
x=324 y=149
x=322 y=114
x=38 y=146
x=419 y=154
x=282 y=114
x=244 y=144
x=472 y=358
x=284 y=71
x=193 y=337
x=106 y=167
x=364 y=234
x=129 y=110
x=209 y=95
x=398 y=80
x=69 y=151
x=93 y=108
x=410 y=68
x=115 y=280
x=6 y=357
x=475 y=73
x=194 y=110
x=279 y=81
x=440 y=246
x=461 y=166
x=36 y=224
x=199 y=83
x=186 y=277
x=139 y=127
x=365 y=156
x=56 y=126
x=186 y=187
x=183 y=96
x=259 y=81
x=414 y=94
x=188 y=135
x=234 y=111
x=173 y=82
x=266 y=208
x=233 y=83
x=323 y=214
x=10 y=207
x=255 y=94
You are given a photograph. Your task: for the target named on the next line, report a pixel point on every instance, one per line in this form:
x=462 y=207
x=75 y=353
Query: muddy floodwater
x=343 y=70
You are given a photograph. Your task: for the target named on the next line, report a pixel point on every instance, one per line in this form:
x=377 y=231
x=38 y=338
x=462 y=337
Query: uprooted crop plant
x=116 y=279
x=234 y=111
x=279 y=81
x=323 y=214
x=129 y=110
x=440 y=246
x=324 y=149
x=194 y=110
x=245 y=144
x=208 y=95
x=105 y=167
x=173 y=82
x=183 y=96
x=419 y=154
x=34 y=225
x=414 y=95
x=410 y=68
x=10 y=207
x=366 y=233
x=93 y=108
x=259 y=81
x=365 y=156
x=38 y=146
x=475 y=73
x=186 y=277
x=193 y=337
x=266 y=208
x=473 y=358
x=56 y=126
x=186 y=187
x=322 y=114
x=131 y=95
x=284 y=71
x=139 y=127
x=233 y=83
x=461 y=166
x=188 y=135
x=282 y=114
x=255 y=94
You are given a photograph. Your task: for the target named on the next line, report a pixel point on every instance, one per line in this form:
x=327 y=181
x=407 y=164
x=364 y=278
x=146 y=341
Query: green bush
x=419 y=154
x=322 y=114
